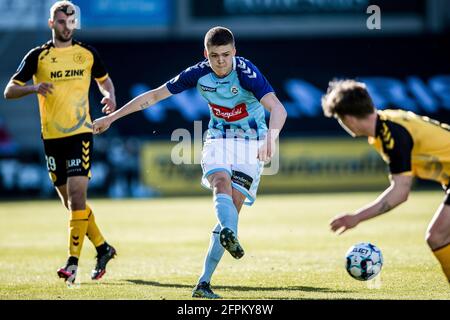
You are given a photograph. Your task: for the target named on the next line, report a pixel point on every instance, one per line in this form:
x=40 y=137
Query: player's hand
x=101 y=124
x=342 y=223
x=43 y=88
x=266 y=150
x=109 y=105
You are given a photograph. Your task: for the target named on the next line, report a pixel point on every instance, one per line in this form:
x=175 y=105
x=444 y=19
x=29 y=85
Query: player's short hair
x=218 y=36
x=62 y=6
x=347 y=97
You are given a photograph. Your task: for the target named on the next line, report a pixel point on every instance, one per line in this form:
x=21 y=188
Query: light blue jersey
x=234 y=101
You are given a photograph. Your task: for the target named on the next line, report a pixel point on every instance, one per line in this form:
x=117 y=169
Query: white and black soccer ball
x=363 y=261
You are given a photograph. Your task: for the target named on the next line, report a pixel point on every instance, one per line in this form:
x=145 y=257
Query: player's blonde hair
x=347 y=97
x=62 y=6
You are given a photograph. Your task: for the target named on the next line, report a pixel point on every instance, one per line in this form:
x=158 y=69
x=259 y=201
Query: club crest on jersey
x=234 y=90
x=208 y=89
x=79 y=58
x=237 y=113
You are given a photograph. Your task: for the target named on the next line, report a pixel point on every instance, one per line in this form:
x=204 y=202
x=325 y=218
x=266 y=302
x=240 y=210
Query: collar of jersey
x=63 y=49
x=216 y=78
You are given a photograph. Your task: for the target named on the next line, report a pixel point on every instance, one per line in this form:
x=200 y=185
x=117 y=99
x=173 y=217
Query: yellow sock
x=78 y=225
x=93 y=232
x=443 y=255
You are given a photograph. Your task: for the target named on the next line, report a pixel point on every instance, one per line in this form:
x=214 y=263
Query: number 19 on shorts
x=51 y=163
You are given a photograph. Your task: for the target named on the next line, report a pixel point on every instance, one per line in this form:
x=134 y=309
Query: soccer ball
x=363 y=261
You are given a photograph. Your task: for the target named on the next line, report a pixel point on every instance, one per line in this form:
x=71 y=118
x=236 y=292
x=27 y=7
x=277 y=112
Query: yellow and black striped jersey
x=413 y=145
x=64 y=112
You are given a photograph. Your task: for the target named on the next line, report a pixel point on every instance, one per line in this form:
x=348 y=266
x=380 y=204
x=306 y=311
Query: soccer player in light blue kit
x=238 y=142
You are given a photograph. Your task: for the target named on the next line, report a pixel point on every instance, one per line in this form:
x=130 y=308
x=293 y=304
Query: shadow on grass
x=237 y=288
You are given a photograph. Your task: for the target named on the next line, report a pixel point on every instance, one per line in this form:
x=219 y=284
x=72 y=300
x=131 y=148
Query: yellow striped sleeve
x=102 y=78
x=405 y=173
x=20 y=83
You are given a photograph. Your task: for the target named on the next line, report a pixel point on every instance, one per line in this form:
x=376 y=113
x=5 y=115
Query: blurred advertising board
x=309 y=17
x=305 y=165
x=222 y=8
x=125 y=13
x=100 y=14
x=326 y=164
x=159 y=173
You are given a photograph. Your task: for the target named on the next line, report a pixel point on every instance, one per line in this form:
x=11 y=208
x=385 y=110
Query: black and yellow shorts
x=68 y=157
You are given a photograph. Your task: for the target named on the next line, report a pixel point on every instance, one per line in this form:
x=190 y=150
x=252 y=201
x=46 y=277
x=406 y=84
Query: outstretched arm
x=278 y=116
x=396 y=194
x=141 y=102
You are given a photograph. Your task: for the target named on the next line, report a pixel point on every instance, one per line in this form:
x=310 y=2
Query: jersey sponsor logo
x=67 y=73
x=208 y=89
x=242 y=179
x=237 y=113
x=73 y=163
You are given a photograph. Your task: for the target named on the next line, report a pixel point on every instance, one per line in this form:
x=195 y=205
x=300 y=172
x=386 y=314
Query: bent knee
x=436 y=239
x=221 y=182
x=77 y=200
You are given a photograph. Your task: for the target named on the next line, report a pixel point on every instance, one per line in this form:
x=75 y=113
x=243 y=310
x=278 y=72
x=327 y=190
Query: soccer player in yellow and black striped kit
x=412 y=145
x=62 y=70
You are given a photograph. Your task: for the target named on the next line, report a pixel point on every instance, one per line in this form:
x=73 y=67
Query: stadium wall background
x=407 y=72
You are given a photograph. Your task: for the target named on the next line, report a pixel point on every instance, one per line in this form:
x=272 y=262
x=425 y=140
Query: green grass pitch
x=161 y=243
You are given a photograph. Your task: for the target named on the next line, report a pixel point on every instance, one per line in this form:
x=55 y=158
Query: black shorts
x=68 y=157
x=447 y=195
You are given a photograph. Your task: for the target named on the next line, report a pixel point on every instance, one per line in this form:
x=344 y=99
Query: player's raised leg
x=238 y=199
x=438 y=236
x=226 y=212
x=228 y=239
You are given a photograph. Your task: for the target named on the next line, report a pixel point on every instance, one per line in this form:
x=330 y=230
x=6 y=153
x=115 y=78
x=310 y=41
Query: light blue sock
x=226 y=212
x=215 y=253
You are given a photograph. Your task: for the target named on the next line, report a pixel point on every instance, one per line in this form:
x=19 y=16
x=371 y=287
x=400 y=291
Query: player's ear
x=50 y=23
x=205 y=53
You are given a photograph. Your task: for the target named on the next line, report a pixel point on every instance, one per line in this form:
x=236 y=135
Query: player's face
x=221 y=58
x=63 y=26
